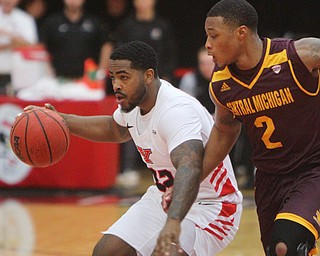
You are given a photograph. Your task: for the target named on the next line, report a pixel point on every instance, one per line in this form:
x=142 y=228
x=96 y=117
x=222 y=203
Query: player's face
x=222 y=41
x=128 y=84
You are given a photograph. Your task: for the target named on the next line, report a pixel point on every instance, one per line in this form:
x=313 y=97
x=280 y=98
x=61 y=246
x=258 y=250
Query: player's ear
x=149 y=75
x=242 y=32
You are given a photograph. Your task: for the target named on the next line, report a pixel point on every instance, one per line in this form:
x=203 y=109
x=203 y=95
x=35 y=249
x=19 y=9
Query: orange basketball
x=39 y=137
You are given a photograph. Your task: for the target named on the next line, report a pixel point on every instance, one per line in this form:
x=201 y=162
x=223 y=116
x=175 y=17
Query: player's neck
x=151 y=97
x=252 y=54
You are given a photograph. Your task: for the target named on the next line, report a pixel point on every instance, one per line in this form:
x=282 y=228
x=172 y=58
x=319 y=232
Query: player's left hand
x=168 y=241
x=166 y=199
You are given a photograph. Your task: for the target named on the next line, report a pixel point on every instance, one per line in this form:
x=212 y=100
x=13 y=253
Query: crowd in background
x=77 y=33
x=77 y=36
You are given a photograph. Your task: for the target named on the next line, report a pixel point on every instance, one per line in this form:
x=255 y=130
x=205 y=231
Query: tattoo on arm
x=118 y=133
x=228 y=120
x=308 y=50
x=315 y=54
x=123 y=132
x=187 y=159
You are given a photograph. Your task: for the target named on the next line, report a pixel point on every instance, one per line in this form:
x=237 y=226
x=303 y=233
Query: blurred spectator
x=197 y=83
x=17 y=29
x=36 y=8
x=73 y=36
x=115 y=12
x=145 y=25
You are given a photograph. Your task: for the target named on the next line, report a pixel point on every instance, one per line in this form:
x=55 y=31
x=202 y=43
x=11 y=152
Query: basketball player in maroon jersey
x=272 y=88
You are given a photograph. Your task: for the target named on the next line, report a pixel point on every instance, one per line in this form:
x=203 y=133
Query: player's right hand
x=46 y=105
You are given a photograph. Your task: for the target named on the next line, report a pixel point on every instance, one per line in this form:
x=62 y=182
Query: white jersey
x=214 y=217
x=176 y=117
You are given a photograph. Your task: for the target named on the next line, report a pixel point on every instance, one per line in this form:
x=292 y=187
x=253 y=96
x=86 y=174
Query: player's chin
x=126 y=108
x=220 y=64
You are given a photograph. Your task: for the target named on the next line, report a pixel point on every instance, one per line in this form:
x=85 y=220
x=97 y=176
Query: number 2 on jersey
x=268 y=132
x=163 y=179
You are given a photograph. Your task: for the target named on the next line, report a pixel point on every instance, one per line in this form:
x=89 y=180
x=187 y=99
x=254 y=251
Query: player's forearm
x=185 y=191
x=94 y=128
x=187 y=158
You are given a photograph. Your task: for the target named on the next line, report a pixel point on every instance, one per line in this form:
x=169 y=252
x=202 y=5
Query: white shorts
x=208 y=227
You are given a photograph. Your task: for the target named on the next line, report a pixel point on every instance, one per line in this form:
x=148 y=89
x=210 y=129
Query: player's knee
x=110 y=245
x=281 y=249
x=102 y=248
x=98 y=249
x=290 y=239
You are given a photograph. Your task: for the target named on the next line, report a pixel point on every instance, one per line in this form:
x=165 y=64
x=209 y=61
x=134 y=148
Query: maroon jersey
x=278 y=102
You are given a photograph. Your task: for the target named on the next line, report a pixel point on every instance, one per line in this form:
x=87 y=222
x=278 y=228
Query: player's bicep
x=117 y=132
x=188 y=154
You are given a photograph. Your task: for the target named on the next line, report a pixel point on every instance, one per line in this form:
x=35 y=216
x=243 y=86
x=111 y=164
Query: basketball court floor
x=47 y=223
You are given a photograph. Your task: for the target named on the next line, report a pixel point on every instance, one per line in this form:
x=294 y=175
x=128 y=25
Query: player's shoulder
x=169 y=94
x=307 y=43
x=175 y=102
x=220 y=74
x=279 y=44
x=308 y=51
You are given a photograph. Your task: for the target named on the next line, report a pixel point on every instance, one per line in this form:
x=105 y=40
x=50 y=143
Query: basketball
x=39 y=137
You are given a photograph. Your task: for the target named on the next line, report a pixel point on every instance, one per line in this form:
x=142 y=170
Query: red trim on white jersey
x=220 y=226
x=222 y=181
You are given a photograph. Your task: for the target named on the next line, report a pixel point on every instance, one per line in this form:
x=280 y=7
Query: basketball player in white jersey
x=170 y=129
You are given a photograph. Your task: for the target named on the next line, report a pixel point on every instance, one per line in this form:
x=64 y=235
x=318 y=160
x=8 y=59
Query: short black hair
x=141 y=55
x=236 y=13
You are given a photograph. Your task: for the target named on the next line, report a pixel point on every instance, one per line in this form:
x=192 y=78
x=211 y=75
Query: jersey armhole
x=293 y=56
x=300 y=85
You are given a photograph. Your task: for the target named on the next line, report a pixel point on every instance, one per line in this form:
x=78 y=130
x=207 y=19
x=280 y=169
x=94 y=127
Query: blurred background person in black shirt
x=146 y=25
x=72 y=36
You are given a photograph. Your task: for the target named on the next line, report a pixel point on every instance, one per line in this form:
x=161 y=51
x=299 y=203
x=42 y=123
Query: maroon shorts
x=294 y=196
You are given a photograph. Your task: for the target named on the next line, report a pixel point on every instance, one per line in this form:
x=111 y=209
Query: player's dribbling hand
x=46 y=105
x=166 y=199
x=168 y=241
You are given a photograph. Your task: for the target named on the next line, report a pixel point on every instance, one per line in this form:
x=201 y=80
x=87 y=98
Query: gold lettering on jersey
x=261 y=102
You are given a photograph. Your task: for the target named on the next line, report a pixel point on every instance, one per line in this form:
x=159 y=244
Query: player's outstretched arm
x=95 y=128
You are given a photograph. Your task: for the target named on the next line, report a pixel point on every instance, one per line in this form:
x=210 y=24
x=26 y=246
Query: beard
x=136 y=99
